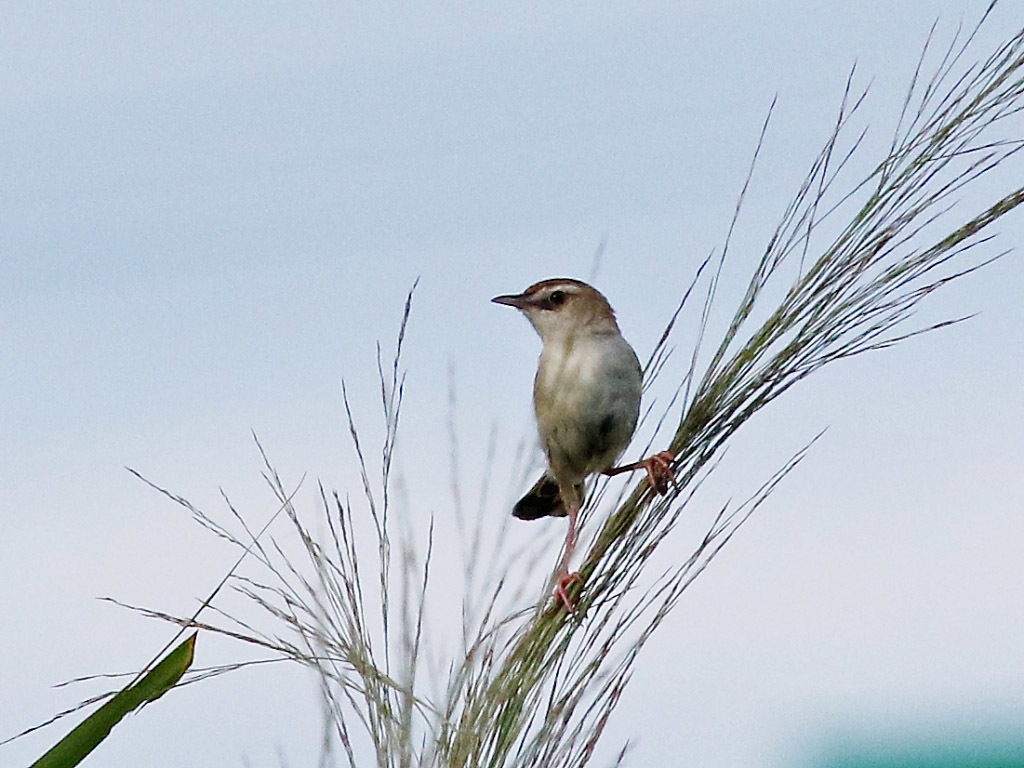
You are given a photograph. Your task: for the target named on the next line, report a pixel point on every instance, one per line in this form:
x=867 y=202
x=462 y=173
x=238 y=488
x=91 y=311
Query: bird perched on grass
x=586 y=397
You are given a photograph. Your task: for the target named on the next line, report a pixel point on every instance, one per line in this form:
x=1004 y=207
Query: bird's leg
x=658 y=467
x=563 y=578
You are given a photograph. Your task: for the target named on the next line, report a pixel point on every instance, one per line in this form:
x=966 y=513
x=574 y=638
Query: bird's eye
x=557 y=298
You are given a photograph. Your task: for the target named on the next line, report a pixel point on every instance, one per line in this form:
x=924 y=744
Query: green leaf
x=74 y=747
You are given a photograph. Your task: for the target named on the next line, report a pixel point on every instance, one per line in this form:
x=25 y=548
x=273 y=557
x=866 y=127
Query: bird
x=586 y=399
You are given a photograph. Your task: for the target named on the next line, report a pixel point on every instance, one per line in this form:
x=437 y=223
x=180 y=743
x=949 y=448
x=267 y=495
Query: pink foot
x=562 y=581
x=659 y=470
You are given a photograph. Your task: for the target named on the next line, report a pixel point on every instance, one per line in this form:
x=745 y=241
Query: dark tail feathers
x=543 y=500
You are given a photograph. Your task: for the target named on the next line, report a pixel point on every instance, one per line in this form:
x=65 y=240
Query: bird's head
x=563 y=307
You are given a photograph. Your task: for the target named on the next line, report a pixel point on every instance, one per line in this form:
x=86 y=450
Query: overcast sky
x=211 y=212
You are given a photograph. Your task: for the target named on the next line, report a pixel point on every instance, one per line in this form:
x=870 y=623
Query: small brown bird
x=586 y=397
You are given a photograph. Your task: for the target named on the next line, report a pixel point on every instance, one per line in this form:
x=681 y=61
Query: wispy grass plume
x=531 y=685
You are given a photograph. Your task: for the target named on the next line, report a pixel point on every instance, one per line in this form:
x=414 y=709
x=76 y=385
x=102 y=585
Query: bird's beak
x=518 y=301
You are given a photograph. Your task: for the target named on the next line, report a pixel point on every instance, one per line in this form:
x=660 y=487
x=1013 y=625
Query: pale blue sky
x=209 y=216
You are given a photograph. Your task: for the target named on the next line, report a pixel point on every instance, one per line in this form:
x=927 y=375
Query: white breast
x=587 y=399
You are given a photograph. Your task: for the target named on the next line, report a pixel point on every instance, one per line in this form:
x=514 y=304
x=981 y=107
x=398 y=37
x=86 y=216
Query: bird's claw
x=659 y=470
x=562 y=581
